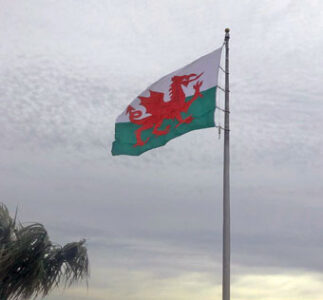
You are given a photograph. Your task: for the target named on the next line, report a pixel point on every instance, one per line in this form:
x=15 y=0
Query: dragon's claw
x=197 y=85
x=187 y=120
x=141 y=143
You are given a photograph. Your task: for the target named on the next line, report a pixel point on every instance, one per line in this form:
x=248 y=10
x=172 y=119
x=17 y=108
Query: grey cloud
x=64 y=79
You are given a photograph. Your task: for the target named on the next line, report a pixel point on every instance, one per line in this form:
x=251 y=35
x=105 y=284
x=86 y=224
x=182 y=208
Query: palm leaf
x=31 y=265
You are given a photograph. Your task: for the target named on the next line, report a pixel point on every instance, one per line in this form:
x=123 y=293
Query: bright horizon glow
x=196 y=286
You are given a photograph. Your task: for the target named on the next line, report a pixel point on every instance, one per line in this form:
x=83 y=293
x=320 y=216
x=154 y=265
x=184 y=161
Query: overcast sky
x=68 y=68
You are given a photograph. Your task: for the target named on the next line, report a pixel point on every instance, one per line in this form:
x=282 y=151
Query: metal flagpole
x=226 y=181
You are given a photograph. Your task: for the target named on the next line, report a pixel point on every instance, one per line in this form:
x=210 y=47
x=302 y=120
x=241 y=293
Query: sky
x=153 y=223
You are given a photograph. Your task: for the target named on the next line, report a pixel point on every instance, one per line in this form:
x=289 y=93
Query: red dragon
x=158 y=110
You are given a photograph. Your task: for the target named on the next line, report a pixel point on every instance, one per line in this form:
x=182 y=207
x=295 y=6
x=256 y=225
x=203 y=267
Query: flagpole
x=226 y=181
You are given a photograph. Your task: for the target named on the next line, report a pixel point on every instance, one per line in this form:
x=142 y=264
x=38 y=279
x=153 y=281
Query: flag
x=179 y=102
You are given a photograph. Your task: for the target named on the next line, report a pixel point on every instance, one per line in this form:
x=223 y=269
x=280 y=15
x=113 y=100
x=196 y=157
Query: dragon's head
x=185 y=79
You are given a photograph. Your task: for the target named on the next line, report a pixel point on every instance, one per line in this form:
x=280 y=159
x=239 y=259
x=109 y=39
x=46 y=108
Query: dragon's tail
x=133 y=113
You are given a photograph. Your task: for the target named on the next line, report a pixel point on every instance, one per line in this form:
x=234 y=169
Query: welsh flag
x=179 y=102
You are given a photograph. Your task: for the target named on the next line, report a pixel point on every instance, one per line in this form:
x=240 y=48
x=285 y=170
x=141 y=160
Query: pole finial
x=227 y=34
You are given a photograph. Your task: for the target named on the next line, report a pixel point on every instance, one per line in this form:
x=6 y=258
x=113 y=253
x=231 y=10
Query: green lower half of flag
x=201 y=110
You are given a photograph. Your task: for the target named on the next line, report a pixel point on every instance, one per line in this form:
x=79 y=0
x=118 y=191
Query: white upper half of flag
x=208 y=65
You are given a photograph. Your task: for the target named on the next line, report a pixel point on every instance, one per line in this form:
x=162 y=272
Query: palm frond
x=30 y=265
x=7 y=225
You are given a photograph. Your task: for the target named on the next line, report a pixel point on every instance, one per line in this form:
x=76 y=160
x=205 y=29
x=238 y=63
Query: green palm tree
x=31 y=265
